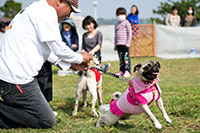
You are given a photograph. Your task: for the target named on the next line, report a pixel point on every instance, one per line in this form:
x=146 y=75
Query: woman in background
x=173 y=19
x=189 y=19
x=92 y=40
x=133 y=16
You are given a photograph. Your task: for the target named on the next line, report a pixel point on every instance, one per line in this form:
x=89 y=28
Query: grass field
x=180 y=84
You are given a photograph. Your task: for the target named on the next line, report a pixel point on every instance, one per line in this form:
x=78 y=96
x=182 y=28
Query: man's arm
x=62 y=55
x=64 y=52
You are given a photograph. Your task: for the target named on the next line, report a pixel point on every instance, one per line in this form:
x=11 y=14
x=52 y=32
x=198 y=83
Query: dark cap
x=74 y=5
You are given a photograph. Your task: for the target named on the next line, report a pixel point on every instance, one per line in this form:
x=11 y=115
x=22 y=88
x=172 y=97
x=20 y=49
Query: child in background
x=92 y=39
x=70 y=37
x=123 y=35
x=69 y=34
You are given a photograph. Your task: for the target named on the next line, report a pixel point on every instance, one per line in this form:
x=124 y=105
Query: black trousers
x=125 y=63
x=45 y=81
x=24 y=106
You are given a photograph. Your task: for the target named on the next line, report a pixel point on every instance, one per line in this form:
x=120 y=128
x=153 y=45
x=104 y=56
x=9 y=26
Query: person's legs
x=121 y=58
x=45 y=81
x=24 y=106
x=127 y=60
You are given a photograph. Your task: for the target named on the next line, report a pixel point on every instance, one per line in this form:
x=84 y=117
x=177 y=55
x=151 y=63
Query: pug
x=143 y=90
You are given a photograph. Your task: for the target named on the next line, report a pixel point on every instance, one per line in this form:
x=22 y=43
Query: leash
x=110 y=74
x=126 y=80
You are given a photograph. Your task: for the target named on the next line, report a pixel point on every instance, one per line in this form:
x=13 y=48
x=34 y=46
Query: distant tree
x=165 y=7
x=11 y=8
x=102 y=21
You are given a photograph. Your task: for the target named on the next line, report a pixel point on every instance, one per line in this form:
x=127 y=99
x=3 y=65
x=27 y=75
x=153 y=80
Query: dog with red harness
x=90 y=80
x=143 y=90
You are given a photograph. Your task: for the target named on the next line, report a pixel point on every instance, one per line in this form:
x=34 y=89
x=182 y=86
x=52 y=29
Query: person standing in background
x=173 y=19
x=189 y=19
x=92 y=40
x=123 y=35
x=133 y=16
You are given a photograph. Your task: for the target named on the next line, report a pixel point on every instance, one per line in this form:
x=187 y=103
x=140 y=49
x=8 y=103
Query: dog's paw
x=84 y=105
x=158 y=125
x=168 y=119
x=98 y=123
x=74 y=113
x=95 y=114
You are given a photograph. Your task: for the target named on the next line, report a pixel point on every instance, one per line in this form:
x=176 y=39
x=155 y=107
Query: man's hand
x=74 y=46
x=81 y=67
x=86 y=58
x=85 y=63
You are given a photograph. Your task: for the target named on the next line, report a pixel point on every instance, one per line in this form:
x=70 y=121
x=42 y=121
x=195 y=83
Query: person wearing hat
x=33 y=35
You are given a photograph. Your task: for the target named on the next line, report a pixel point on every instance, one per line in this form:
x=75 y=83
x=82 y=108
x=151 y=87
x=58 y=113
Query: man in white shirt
x=30 y=38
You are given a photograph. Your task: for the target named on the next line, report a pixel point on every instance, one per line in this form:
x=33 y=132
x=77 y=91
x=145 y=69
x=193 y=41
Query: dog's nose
x=155 y=69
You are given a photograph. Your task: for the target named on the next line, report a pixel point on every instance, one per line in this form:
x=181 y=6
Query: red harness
x=97 y=74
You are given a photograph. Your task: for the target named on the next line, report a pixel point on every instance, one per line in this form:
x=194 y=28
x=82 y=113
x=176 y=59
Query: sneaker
x=120 y=73
x=127 y=74
x=105 y=67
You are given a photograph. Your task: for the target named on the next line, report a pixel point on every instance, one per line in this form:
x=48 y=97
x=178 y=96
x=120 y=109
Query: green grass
x=180 y=84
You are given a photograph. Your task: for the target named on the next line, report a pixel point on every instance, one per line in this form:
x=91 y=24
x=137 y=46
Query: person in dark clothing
x=69 y=34
x=189 y=19
x=44 y=79
x=4 y=26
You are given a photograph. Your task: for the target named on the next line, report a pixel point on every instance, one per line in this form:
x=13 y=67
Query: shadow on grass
x=123 y=126
x=68 y=108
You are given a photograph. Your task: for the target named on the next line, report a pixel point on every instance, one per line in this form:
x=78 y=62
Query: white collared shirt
x=32 y=35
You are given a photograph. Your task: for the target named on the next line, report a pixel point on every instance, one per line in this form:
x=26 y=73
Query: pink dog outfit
x=138 y=93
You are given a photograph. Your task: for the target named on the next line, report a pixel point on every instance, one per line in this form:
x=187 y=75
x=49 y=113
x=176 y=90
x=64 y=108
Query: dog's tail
x=116 y=95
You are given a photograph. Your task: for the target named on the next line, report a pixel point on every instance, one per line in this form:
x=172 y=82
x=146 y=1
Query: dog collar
x=140 y=85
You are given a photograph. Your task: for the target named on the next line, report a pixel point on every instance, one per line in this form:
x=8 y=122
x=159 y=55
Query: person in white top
x=32 y=35
x=173 y=19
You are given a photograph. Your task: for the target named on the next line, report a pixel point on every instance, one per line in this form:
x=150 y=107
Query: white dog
x=91 y=81
x=137 y=98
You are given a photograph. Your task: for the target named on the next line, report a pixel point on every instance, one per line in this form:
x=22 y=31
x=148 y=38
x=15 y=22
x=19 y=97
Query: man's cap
x=74 y=5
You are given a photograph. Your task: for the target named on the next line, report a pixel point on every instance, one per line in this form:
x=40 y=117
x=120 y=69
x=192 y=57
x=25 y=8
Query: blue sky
x=106 y=8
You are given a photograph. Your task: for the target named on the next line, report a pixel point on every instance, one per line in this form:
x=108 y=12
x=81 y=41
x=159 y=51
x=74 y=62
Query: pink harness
x=138 y=93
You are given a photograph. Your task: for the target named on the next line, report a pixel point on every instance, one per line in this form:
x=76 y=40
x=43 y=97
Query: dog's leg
x=151 y=116
x=162 y=109
x=93 y=92
x=94 y=99
x=108 y=119
x=99 y=122
x=99 y=93
x=84 y=98
x=78 y=93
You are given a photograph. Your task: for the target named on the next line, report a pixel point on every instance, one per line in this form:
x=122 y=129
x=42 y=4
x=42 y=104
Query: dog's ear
x=158 y=64
x=137 y=67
